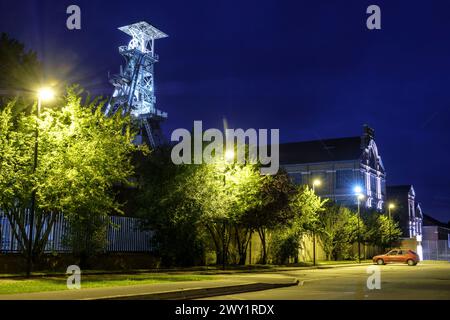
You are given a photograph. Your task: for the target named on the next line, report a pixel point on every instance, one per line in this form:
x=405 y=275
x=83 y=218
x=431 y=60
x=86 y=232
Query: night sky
x=310 y=68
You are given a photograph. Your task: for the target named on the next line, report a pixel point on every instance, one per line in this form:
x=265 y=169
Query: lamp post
x=315 y=183
x=44 y=94
x=229 y=156
x=390 y=207
x=359 y=197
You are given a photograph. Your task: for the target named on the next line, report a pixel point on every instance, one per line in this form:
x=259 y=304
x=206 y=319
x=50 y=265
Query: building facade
x=436 y=239
x=341 y=165
x=434 y=230
x=407 y=211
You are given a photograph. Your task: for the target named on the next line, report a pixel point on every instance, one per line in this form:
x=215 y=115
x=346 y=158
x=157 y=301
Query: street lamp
x=359 y=197
x=229 y=156
x=316 y=182
x=43 y=94
x=357 y=190
x=391 y=206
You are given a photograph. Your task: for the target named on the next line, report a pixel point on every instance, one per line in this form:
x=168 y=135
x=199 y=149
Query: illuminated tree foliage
x=82 y=155
x=338 y=230
x=381 y=230
x=273 y=211
x=162 y=200
x=305 y=208
x=20 y=73
x=190 y=207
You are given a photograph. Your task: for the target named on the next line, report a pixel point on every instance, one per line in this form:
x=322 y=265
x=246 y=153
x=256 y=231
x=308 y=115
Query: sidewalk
x=176 y=290
x=241 y=280
x=206 y=270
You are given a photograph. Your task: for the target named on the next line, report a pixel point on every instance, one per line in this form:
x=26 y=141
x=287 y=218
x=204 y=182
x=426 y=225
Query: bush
x=284 y=246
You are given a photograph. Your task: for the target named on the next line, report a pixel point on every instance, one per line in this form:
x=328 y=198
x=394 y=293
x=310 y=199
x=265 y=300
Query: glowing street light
x=46 y=94
x=316 y=182
x=391 y=206
x=359 y=197
x=43 y=94
x=229 y=155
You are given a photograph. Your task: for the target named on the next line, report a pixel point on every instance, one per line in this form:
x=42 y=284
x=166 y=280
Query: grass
x=23 y=285
x=49 y=282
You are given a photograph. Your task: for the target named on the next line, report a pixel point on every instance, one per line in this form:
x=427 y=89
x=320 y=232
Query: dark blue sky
x=309 y=68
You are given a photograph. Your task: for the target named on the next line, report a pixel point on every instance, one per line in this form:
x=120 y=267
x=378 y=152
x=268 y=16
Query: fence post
x=446 y=251
x=437 y=250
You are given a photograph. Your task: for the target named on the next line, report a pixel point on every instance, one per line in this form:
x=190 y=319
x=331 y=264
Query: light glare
x=229 y=154
x=357 y=189
x=46 y=94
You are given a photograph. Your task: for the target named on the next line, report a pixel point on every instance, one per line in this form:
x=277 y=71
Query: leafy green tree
x=272 y=211
x=20 y=74
x=307 y=207
x=163 y=201
x=284 y=244
x=81 y=156
x=17 y=137
x=222 y=200
x=226 y=193
x=382 y=231
x=338 y=230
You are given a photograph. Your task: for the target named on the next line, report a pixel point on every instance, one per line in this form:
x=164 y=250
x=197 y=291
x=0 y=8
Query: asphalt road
x=398 y=281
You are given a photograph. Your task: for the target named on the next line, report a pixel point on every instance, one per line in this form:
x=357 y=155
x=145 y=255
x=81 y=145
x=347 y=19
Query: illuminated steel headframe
x=134 y=85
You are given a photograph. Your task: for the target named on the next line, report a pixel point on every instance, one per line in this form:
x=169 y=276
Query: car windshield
x=392 y=253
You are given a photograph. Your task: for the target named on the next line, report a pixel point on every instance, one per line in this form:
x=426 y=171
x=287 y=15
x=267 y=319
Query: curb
x=200 y=271
x=345 y=265
x=198 y=293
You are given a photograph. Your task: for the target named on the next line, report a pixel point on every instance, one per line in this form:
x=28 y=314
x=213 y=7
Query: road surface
x=398 y=281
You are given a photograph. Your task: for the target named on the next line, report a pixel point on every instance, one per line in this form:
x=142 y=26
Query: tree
x=338 y=230
x=382 y=231
x=227 y=192
x=81 y=156
x=16 y=174
x=307 y=207
x=20 y=73
x=162 y=200
x=273 y=211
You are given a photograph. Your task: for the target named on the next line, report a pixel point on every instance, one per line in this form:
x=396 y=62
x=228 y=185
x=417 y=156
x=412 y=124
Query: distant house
x=436 y=239
x=340 y=164
x=407 y=211
x=435 y=230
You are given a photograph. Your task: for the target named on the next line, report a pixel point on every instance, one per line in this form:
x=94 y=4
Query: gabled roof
x=430 y=221
x=400 y=190
x=321 y=150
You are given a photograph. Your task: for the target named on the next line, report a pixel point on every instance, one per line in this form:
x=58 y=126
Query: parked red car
x=398 y=256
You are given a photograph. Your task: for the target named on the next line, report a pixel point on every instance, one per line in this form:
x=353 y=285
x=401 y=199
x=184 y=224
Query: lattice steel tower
x=134 y=85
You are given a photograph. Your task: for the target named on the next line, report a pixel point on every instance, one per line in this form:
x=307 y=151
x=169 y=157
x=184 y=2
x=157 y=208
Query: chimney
x=368 y=134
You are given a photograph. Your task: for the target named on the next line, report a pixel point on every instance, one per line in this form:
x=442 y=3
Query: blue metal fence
x=123 y=235
x=436 y=250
